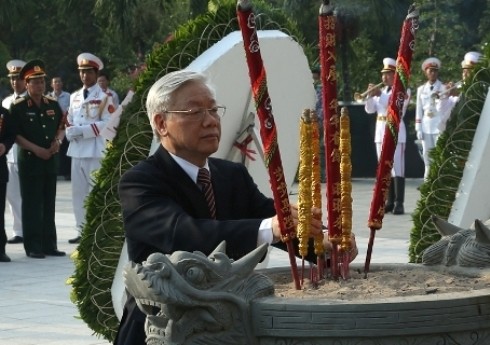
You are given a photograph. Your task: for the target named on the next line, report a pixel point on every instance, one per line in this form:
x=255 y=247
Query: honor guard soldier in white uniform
x=377 y=102
x=428 y=114
x=13 y=187
x=88 y=114
x=467 y=65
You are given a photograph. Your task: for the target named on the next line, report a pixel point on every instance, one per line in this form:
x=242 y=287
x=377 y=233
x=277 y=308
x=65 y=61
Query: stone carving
x=458 y=246
x=193 y=299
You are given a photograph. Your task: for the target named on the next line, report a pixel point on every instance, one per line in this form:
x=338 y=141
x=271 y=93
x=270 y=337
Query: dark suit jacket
x=164 y=211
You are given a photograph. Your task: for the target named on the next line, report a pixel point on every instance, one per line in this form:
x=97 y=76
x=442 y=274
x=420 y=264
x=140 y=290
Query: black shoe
x=35 y=255
x=16 y=239
x=55 y=252
x=75 y=240
x=398 y=209
x=4 y=258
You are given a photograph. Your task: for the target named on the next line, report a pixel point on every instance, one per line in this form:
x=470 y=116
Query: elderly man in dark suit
x=165 y=207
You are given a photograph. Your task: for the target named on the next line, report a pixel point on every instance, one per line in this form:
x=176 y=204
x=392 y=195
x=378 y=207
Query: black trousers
x=3 y=234
x=65 y=161
x=38 y=212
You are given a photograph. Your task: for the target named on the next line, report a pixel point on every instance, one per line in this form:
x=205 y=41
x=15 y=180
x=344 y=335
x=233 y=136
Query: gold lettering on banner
x=289 y=223
x=284 y=204
x=334 y=105
x=338 y=223
x=282 y=189
x=337 y=188
x=278 y=173
x=332 y=74
x=336 y=155
x=337 y=205
x=330 y=40
x=329 y=23
x=331 y=56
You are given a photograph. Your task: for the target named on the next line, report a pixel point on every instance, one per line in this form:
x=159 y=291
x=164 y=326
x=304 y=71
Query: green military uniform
x=39 y=125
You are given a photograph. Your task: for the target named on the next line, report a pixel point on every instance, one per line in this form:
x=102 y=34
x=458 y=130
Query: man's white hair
x=160 y=94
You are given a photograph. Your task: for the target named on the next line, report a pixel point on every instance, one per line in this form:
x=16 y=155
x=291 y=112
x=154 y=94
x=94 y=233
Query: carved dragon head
x=458 y=246
x=189 y=297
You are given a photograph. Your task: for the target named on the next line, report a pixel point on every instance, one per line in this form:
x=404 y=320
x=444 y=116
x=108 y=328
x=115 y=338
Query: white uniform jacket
x=379 y=105
x=86 y=119
x=430 y=110
x=7 y=101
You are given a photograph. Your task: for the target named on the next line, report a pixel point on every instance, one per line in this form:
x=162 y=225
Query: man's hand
x=420 y=135
x=43 y=153
x=375 y=91
x=316 y=225
x=2 y=149
x=55 y=147
x=74 y=133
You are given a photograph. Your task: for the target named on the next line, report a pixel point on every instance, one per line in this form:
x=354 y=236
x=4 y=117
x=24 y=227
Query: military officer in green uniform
x=40 y=131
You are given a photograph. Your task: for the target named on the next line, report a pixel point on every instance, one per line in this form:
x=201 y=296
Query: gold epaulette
x=50 y=98
x=19 y=100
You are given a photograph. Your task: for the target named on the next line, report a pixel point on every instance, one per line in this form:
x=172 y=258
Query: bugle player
x=377 y=103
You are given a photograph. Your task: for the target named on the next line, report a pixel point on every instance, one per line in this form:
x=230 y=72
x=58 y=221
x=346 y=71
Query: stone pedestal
x=461 y=318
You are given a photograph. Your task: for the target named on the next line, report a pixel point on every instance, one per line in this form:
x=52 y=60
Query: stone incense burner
x=214 y=300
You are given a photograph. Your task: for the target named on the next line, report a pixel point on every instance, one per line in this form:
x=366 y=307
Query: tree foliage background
x=123 y=32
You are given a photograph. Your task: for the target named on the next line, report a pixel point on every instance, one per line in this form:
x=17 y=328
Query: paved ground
x=35 y=307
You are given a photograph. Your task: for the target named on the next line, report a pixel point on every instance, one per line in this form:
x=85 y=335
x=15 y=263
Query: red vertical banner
x=331 y=121
x=390 y=139
x=268 y=131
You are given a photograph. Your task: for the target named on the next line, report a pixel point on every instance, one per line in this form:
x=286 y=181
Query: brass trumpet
x=359 y=97
x=456 y=85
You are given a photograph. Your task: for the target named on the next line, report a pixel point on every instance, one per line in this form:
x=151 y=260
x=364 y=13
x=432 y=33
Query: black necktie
x=85 y=93
x=204 y=180
x=389 y=89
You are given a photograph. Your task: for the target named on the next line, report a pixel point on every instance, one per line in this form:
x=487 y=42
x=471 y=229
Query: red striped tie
x=204 y=180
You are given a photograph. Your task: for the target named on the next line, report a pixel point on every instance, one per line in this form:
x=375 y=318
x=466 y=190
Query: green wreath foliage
x=449 y=157
x=103 y=235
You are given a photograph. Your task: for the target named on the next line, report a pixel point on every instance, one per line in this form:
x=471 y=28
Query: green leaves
x=449 y=158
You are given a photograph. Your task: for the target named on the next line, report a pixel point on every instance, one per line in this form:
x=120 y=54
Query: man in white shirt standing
x=428 y=114
x=378 y=102
x=63 y=99
x=13 y=187
x=90 y=109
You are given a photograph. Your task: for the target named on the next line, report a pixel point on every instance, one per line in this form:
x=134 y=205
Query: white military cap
x=431 y=62
x=470 y=60
x=89 y=61
x=389 y=64
x=14 y=67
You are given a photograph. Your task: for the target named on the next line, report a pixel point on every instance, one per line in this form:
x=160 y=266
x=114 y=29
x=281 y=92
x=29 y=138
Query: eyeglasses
x=198 y=114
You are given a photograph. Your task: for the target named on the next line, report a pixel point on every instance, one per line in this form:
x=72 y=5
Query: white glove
x=74 y=133
x=420 y=136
